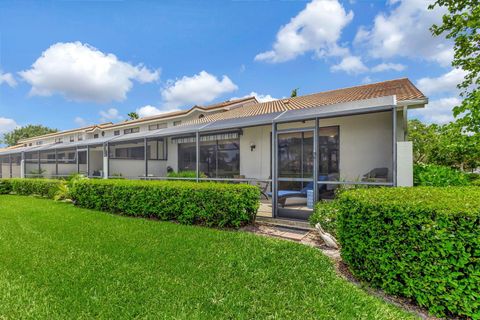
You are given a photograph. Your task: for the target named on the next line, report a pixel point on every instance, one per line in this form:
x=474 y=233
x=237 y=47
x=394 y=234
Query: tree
x=294 y=93
x=11 y=138
x=461 y=23
x=133 y=115
x=446 y=145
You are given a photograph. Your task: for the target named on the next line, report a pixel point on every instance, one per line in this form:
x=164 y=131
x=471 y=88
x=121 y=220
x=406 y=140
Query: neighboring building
x=297 y=149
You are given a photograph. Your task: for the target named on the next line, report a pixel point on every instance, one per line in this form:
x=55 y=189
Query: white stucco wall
x=255 y=164
x=405 y=164
x=132 y=169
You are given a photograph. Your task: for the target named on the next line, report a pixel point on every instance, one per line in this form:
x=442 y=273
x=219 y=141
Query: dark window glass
x=95 y=136
x=329 y=151
x=295 y=155
x=176 y=123
x=127 y=151
x=82 y=157
x=218 y=159
x=116 y=132
x=186 y=156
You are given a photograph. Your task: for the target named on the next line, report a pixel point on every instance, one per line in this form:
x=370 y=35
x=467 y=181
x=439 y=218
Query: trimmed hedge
x=325 y=213
x=47 y=188
x=210 y=204
x=422 y=243
x=438 y=176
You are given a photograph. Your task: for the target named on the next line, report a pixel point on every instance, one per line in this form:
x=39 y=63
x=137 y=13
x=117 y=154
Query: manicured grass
x=59 y=261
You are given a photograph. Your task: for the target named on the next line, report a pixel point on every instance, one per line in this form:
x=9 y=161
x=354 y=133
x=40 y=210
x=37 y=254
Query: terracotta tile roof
x=107 y=125
x=402 y=88
x=220 y=105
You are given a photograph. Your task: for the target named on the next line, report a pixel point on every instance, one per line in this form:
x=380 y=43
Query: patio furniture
x=376 y=175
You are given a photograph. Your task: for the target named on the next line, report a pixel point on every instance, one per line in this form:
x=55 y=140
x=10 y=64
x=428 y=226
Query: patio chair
x=376 y=175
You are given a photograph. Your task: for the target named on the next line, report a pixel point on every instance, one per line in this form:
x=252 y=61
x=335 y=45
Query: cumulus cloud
x=148 y=111
x=81 y=72
x=317 y=28
x=260 y=97
x=197 y=89
x=446 y=83
x=111 y=114
x=7 y=125
x=79 y=121
x=8 y=79
x=438 y=111
x=404 y=31
x=350 y=65
x=388 y=66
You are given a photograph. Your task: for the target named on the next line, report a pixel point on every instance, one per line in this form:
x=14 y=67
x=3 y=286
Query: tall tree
x=294 y=93
x=133 y=115
x=11 y=138
x=462 y=23
x=446 y=145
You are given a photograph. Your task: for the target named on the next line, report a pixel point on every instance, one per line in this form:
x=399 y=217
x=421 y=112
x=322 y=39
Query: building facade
x=297 y=150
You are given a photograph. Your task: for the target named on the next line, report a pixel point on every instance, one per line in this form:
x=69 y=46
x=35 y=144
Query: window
x=72 y=138
x=329 y=150
x=82 y=157
x=39 y=143
x=157 y=126
x=30 y=144
x=103 y=133
x=131 y=130
x=95 y=136
x=157 y=149
x=201 y=116
x=127 y=150
x=116 y=132
x=218 y=158
x=177 y=123
x=80 y=137
x=59 y=140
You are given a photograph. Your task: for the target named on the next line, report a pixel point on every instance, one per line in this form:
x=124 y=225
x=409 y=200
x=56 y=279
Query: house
x=298 y=150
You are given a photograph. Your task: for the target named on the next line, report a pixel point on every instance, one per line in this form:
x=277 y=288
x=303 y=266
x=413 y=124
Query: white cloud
x=388 y=66
x=350 y=65
x=197 y=89
x=438 y=111
x=7 y=125
x=81 y=72
x=8 y=79
x=148 y=111
x=260 y=97
x=367 y=80
x=79 y=121
x=316 y=28
x=446 y=83
x=111 y=114
x=404 y=31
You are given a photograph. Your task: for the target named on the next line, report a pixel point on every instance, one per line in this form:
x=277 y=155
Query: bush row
x=210 y=204
x=438 y=176
x=47 y=188
x=422 y=243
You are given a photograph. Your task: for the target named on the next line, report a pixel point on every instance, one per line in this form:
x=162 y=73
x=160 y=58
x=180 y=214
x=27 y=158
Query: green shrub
x=438 y=176
x=185 y=174
x=210 y=204
x=476 y=183
x=422 y=243
x=326 y=214
x=5 y=186
x=47 y=188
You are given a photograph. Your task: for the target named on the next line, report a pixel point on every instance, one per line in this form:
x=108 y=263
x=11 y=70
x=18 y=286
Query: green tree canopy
x=294 y=93
x=133 y=115
x=446 y=145
x=11 y=138
x=462 y=23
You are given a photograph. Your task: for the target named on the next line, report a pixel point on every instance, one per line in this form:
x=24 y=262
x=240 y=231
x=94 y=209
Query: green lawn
x=58 y=261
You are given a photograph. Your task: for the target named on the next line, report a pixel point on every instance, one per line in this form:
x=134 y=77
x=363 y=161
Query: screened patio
x=296 y=157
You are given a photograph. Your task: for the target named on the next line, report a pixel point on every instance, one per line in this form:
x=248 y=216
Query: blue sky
x=70 y=63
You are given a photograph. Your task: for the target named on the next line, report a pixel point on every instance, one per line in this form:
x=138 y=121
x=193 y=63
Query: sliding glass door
x=295 y=169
